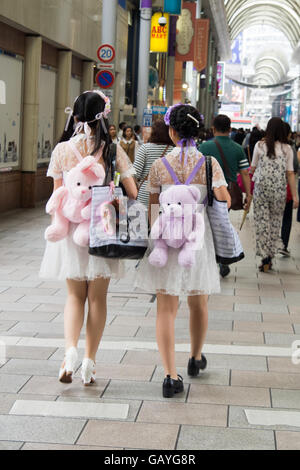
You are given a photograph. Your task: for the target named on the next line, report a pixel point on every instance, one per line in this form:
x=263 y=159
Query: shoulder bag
x=233 y=187
x=227 y=243
x=119 y=226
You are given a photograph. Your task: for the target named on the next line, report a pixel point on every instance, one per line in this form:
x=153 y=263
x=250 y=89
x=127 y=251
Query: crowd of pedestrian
x=179 y=157
x=240 y=149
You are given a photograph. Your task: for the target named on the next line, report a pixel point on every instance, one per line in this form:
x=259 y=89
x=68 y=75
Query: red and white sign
x=106 y=53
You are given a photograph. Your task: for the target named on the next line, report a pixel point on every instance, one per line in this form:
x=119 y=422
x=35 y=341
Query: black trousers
x=287 y=223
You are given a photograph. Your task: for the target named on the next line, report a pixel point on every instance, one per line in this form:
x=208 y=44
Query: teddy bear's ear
x=89 y=164
x=98 y=171
x=86 y=164
x=195 y=193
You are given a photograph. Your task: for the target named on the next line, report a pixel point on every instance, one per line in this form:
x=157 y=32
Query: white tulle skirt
x=65 y=260
x=202 y=279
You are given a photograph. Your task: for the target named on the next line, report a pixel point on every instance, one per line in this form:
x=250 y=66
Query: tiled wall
x=74 y=24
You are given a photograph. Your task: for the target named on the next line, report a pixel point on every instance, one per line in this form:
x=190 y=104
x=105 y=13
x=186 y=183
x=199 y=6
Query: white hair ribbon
x=68 y=111
x=194 y=119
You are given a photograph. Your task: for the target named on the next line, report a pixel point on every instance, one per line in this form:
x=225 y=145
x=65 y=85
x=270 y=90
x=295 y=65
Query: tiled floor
x=249 y=397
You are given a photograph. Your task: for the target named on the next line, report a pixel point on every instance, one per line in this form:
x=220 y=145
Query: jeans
x=287 y=223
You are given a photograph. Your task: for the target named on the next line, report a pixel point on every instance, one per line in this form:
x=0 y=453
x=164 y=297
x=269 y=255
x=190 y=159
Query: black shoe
x=195 y=366
x=266 y=264
x=171 y=386
x=224 y=270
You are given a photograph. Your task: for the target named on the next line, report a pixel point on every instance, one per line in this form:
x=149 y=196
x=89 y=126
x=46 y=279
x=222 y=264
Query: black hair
x=276 y=132
x=287 y=128
x=86 y=108
x=122 y=125
x=125 y=129
x=137 y=128
x=222 y=123
x=184 y=125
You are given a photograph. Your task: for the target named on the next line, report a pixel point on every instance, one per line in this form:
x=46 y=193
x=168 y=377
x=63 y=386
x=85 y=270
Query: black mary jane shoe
x=195 y=366
x=171 y=386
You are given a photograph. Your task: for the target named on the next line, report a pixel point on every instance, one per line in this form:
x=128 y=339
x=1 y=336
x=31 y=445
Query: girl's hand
x=296 y=203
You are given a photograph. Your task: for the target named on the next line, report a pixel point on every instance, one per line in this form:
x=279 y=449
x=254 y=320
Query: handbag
x=119 y=226
x=233 y=187
x=227 y=243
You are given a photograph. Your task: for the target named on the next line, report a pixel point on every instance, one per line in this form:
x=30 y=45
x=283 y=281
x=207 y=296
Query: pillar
x=171 y=60
x=208 y=76
x=144 y=58
x=32 y=67
x=63 y=90
x=87 y=76
x=109 y=28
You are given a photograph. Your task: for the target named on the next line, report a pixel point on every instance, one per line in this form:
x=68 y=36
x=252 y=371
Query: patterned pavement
x=249 y=398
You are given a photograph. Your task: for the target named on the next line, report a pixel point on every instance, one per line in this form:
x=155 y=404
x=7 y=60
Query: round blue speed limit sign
x=106 y=53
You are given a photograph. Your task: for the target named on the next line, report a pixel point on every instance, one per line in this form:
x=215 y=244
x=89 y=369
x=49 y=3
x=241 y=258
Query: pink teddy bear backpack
x=179 y=225
x=71 y=203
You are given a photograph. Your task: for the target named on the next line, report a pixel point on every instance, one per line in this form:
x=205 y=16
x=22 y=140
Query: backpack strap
x=111 y=164
x=75 y=150
x=195 y=171
x=227 y=170
x=171 y=171
x=209 y=176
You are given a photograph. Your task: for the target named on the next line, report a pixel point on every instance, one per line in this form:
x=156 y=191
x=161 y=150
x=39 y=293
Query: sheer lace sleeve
x=55 y=169
x=123 y=164
x=218 y=178
x=154 y=182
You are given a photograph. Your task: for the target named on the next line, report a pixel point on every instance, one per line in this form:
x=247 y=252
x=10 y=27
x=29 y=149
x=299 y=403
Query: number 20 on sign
x=106 y=53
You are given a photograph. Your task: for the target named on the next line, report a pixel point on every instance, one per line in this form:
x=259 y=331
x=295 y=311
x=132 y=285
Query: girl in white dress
x=172 y=281
x=87 y=276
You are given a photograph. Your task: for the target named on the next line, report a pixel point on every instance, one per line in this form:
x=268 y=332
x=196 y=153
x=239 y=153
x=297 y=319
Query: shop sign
x=173 y=6
x=159 y=34
x=185 y=34
x=201 y=44
x=221 y=78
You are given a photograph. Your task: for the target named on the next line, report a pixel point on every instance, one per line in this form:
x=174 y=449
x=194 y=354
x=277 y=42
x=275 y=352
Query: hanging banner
x=177 y=93
x=185 y=37
x=159 y=34
x=221 y=78
x=201 y=44
x=173 y=6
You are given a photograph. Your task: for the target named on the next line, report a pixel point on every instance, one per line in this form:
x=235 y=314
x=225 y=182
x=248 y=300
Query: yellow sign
x=159 y=33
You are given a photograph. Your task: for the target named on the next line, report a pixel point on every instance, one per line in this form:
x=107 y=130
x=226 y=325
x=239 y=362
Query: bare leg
x=198 y=323
x=74 y=311
x=97 y=297
x=167 y=307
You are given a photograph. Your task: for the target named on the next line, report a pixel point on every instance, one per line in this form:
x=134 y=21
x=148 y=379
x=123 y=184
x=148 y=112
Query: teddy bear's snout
x=175 y=210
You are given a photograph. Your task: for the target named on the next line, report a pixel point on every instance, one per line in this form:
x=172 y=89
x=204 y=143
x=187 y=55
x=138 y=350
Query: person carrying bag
x=233 y=187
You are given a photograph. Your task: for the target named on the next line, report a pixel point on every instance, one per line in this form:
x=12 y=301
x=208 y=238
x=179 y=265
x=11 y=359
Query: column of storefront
x=87 y=76
x=144 y=58
x=63 y=90
x=33 y=54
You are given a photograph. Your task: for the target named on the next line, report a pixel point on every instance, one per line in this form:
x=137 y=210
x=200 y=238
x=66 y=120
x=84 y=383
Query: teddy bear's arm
x=158 y=227
x=197 y=235
x=56 y=200
x=86 y=212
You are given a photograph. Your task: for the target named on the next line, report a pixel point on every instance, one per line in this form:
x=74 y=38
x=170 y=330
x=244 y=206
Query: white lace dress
x=64 y=259
x=203 y=278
